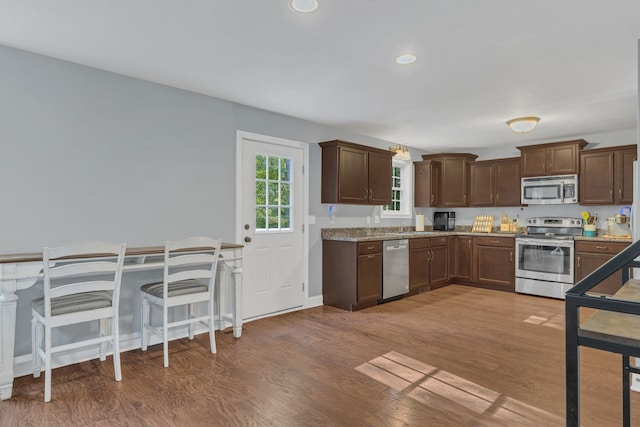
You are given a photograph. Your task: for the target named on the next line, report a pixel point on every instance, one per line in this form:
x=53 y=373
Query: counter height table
x=21 y=271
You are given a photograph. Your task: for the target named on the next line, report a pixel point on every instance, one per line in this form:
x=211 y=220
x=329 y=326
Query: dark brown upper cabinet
x=556 y=158
x=355 y=174
x=426 y=187
x=454 y=177
x=495 y=182
x=606 y=175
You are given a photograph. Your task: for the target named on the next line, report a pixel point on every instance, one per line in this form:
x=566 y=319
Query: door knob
x=247 y=239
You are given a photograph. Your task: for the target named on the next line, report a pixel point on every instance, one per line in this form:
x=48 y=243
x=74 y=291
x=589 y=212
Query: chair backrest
x=68 y=270
x=193 y=258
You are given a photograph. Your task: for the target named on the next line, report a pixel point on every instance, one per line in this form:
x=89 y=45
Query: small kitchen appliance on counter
x=620 y=225
x=545 y=256
x=444 y=221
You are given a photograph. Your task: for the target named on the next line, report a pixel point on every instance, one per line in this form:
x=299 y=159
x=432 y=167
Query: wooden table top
x=136 y=251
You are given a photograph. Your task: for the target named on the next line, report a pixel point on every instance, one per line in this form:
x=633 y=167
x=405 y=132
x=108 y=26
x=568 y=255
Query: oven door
x=545 y=259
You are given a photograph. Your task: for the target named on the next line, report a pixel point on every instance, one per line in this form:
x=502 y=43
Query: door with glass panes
x=272 y=227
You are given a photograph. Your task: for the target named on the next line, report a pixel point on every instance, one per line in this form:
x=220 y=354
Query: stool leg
x=212 y=323
x=103 y=344
x=47 y=364
x=190 y=316
x=165 y=335
x=626 y=392
x=144 y=335
x=36 y=342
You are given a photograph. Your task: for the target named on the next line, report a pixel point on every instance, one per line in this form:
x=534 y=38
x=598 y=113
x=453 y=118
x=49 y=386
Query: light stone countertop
x=368 y=234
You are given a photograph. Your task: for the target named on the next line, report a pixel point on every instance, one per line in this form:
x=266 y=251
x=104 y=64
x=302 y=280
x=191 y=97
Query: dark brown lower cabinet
x=419 y=271
x=463 y=258
x=439 y=276
x=590 y=256
x=351 y=274
x=428 y=264
x=494 y=265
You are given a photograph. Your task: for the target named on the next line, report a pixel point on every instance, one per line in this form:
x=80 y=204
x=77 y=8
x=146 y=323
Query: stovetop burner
x=558 y=228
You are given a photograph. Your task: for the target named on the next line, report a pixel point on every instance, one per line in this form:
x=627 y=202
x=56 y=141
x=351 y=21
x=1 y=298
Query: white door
x=271 y=219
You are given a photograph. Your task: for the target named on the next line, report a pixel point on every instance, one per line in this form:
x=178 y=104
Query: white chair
x=189 y=278
x=81 y=284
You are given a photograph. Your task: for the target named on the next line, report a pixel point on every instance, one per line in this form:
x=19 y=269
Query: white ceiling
x=480 y=62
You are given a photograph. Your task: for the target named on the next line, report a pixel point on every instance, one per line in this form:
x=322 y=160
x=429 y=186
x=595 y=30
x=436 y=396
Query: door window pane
x=273 y=193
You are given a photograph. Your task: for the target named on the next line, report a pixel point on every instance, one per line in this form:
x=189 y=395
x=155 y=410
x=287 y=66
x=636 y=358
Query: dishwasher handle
x=395 y=247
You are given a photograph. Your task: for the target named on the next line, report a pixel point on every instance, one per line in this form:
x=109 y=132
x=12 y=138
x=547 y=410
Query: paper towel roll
x=419 y=222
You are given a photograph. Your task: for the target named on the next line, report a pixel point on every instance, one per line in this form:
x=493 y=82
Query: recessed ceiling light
x=406 y=59
x=523 y=124
x=304 y=6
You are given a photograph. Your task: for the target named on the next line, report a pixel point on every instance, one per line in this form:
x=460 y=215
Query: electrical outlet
x=376 y=219
x=368 y=220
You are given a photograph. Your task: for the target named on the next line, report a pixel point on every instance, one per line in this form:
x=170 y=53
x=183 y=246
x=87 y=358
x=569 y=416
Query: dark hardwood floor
x=456 y=356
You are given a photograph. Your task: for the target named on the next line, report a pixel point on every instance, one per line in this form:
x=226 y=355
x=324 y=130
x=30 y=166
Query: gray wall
x=89 y=154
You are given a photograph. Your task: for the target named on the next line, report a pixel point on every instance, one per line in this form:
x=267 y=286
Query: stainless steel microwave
x=550 y=190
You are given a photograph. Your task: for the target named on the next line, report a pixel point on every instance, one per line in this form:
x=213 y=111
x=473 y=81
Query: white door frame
x=241 y=135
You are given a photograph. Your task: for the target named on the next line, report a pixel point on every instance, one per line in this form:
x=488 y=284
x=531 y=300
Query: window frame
x=406 y=191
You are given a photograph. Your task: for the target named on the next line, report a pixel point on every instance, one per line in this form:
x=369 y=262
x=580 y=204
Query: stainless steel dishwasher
x=395 y=268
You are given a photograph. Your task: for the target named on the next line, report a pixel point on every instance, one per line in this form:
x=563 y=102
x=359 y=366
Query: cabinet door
x=482 y=184
x=496 y=267
x=439 y=266
x=623 y=179
x=379 y=181
x=418 y=270
x=588 y=262
x=562 y=159
x=454 y=182
x=533 y=161
x=426 y=184
x=463 y=257
x=596 y=178
x=507 y=182
x=369 y=278
x=353 y=176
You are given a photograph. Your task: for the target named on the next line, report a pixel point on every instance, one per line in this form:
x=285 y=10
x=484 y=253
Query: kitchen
x=534 y=255
x=143 y=121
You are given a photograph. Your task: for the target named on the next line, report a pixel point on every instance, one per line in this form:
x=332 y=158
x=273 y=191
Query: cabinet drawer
x=369 y=248
x=419 y=243
x=600 y=247
x=506 y=242
x=439 y=241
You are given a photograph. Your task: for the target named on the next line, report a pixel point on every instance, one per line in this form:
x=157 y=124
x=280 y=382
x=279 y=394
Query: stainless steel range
x=544 y=256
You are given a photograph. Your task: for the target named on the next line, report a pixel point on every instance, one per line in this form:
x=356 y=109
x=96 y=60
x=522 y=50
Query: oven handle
x=546 y=242
x=562 y=192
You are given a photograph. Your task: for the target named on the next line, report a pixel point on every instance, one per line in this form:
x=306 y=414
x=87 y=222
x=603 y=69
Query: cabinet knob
x=604 y=248
x=247 y=239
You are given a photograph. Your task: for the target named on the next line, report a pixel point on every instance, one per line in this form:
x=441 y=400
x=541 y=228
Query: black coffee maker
x=444 y=221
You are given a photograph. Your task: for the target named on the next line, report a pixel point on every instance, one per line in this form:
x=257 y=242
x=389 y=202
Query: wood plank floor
x=456 y=356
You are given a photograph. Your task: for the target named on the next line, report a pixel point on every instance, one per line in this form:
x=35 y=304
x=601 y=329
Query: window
x=273 y=193
x=401 y=191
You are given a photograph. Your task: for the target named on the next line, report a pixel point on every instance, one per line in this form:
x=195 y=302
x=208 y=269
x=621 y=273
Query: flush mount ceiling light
x=402 y=153
x=406 y=59
x=304 y=6
x=523 y=124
